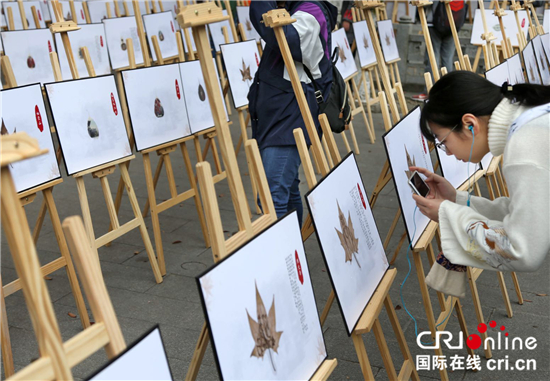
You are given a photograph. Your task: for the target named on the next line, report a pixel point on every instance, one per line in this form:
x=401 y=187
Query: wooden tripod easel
x=56 y=358
x=463 y=59
x=101 y=172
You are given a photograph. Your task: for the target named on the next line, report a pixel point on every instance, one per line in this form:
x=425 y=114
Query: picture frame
x=81 y=121
x=240 y=73
x=493 y=24
x=273 y=270
x=243 y=14
x=161 y=25
x=387 y=41
x=365 y=48
x=217 y=34
x=98 y=10
x=347 y=232
x=117 y=30
x=27 y=6
x=91 y=36
x=515 y=69
x=455 y=171
x=156 y=105
x=530 y=64
x=23 y=110
x=542 y=60
x=405 y=146
x=498 y=74
x=345 y=63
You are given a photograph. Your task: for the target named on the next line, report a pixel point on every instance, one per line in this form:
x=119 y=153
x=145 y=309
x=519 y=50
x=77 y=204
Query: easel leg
x=198 y=204
x=400 y=337
x=427 y=305
x=346 y=143
x=462 y=323
x=329 y=156
x=516 y=286
x=39 y=222
x=7 y=355
x=370 y=129
x=142 y=227
x=505 y=296
x=477 y=309
x=154 y=182
x=384 y=350
x=118 y=197
x=63 y=248
x=362 y=356
x=326 y=310
x=198 y=355
x=86 y=215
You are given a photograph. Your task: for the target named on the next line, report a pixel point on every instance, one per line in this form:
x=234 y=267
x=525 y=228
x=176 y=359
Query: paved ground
x=140 y=302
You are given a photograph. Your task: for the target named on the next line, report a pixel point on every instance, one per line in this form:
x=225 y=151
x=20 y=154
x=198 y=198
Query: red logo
x=523 y=23
x=172 y=26
x=38 y=118
x=49 y=46
x=474 y=341
x=457 y=5
x=362 y=198
x=39 y=16
x=113 y=103
x=424 y=145
x=101 y=40
x=299 y=267
x=178 y=90
x=82 y=14
x=257 y=61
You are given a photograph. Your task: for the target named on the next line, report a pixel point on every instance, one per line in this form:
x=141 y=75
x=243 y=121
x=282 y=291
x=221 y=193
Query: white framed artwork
x=243 y=14
x=45 y=10
x=530 y=64
x=241 y=60
x=509 y=22
x=217 y=33
x=117 y=31
x=185 y=44
x=27 y=6
x=456 y=171
x=145 y=359
x=23 y=110
x=98 y=10
x=261 y=310
x=546 y=20
x=546 y=44
x=196 y=96
x=156 y=105
x=515 y=69
x=65 y=10
x=542 y=61
x=80 y=15
x=90 y=126
x=162 y=26
x=387 y=41
x=347 y=233
x=345 y=63
x=499 y=74
x=367 y=56
x=406 y=146
x=142 y=8
x=29 y=53
x=91 y=36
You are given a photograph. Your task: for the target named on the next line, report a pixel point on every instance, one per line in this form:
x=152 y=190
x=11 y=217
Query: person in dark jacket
x=273 y=106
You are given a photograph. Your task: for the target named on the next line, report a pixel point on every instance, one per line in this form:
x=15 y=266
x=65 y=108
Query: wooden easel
x=522 y=41
x=197 y=17
x=462 y=58
x=101 y=172
x=535 y=28
x=489 y=49
x=56 y=358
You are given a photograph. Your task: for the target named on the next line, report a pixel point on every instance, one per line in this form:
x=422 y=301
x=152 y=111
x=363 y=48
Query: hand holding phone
x=418 y=185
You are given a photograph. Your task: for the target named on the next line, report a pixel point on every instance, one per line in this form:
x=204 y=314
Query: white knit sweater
x=509 y=233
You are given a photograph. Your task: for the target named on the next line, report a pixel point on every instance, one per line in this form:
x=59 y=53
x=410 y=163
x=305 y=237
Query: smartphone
x=418 y=185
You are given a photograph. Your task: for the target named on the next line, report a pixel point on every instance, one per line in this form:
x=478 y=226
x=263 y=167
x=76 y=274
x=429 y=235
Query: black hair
x=462 y=92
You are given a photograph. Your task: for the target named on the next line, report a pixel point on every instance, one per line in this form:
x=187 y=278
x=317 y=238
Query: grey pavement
x=140 y=303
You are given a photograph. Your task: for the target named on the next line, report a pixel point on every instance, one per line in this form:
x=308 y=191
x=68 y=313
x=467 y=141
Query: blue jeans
x=281 y=164
x=444 y=51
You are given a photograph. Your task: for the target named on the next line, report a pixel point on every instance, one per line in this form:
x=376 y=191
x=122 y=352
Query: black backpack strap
x=318 y=92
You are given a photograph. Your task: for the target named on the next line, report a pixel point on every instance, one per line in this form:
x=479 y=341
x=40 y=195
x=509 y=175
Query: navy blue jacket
x=273 y=106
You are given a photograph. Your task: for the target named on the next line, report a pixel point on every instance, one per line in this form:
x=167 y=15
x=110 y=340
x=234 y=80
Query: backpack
x=441 y=20
x=336 y=107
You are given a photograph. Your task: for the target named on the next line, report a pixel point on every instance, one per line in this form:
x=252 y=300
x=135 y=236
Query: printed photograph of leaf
x=260 y=308
x=345 y=64
x=347 y=237
x=367 y=56
x=264 y=330
x=241 y=64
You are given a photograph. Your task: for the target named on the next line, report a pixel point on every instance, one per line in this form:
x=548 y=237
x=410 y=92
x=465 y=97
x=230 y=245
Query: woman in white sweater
x=468 y=117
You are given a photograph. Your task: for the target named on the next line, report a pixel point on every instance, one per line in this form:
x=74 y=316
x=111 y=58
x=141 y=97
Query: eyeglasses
x=440 y=144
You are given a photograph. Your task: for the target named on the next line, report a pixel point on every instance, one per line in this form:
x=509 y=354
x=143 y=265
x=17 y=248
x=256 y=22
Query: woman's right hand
x=439 y=186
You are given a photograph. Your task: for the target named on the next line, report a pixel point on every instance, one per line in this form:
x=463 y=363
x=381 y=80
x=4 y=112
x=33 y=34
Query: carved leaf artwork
x=341 y=53
x=80 y=53
x=387 y=40
x=159 y=110
x=347 y=237
x=245 y=72
x=123 y=45
x=264 y=332
x=93 y=131
x=202 y=94
x=248 y=25
x=30 y=62
x=542 y=64
x=531 y=71
x=4 y=130
x=365 y=42
x=161 y=36
x=410 y=163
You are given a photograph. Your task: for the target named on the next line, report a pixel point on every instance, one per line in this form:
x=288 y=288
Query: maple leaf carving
x=542 y=65
x=245 y=72
x=347 y=236
x=264 y=330
x=531 y=71
x=4 y=130
x=341 y=53
x=248 y=25
x=387 y=40
x=410 y=163
x=365 y=42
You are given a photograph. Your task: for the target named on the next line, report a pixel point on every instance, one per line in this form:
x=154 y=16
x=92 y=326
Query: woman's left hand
x=428 y=206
